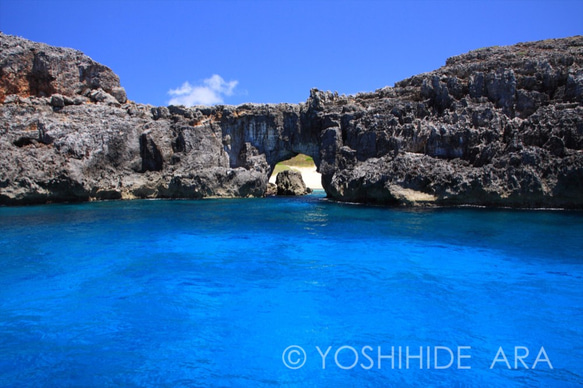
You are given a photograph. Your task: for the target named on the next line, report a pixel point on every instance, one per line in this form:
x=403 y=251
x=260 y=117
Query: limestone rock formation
x=36 y=69
x=99 y=151
x=290 y=182
x=499 y=126
x=271 y=190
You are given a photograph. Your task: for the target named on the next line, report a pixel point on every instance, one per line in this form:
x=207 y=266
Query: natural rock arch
x=498 y=126
x=276 y=131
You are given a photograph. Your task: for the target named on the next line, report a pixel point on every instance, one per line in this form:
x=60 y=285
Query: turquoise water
x=211 y=293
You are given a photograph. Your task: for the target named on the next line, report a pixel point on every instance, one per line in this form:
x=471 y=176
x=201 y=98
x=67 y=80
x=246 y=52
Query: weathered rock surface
x=36 y=69
x=96 y=151
x=499 y=126
x=271 y=189
x=290 y=182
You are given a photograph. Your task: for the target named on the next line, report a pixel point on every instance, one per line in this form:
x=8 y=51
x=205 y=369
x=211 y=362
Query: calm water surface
x=211 y=293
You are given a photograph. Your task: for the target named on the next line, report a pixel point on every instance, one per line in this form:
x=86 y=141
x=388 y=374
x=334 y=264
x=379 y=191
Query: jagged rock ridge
x=36 y=69
x=499 y=126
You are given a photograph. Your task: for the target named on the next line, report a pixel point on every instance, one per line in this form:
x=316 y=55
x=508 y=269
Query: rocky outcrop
x=78 y=138
x=499 y=126
x=99 y=151
x=290 y=182
x=271 y=190
x=36 y=69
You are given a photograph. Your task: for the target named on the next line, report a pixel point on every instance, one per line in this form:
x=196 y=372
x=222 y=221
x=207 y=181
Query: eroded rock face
x=36 y=69
x=98 y=151
x=290 y=182
x=499 y=126
x=271 y=190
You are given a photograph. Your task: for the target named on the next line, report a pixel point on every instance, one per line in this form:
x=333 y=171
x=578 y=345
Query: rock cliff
x=68 y=133
x=500 y=126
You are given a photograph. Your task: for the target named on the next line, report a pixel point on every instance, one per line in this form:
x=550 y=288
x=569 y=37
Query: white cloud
x=210 y=93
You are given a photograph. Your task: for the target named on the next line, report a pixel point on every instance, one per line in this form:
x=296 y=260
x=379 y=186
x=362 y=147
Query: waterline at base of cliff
x=497 y=127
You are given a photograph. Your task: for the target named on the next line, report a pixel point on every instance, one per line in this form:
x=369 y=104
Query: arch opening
x=305 y=165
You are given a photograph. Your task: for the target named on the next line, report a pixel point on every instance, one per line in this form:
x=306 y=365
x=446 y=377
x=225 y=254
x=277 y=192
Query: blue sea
x=289 y=291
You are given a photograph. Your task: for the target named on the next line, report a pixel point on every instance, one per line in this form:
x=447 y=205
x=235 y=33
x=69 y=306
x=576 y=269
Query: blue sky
x=228 y=51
